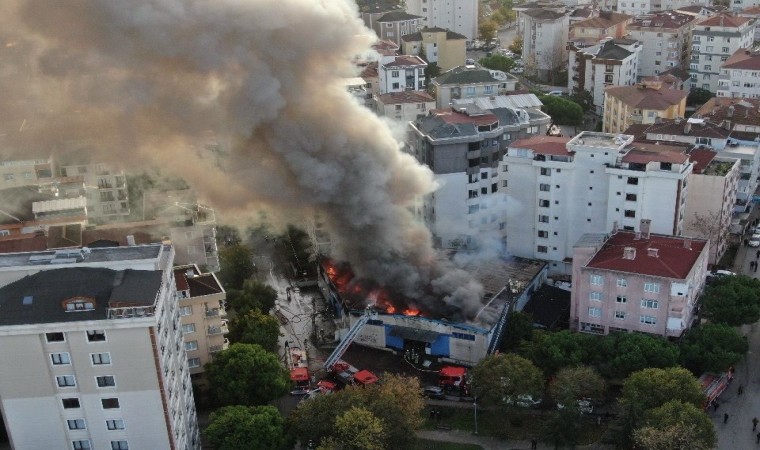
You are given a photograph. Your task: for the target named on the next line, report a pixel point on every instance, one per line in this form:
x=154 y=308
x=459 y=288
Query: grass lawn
x=424 y=444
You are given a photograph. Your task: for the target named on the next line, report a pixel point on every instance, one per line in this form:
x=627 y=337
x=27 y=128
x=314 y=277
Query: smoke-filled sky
x=150 y=81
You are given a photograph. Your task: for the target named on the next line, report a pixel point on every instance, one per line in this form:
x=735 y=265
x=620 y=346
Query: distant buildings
x=594 y=30
x=644 y=103
x=639 y=7
x=713 y=40
x=544 y=41
x=740 y=75
x=665 y=39
x=394 y=24
x=470 y=82
x=401 y=73
x=636 y=281
x=404 y=106
x=459 y=16
x=445 y=48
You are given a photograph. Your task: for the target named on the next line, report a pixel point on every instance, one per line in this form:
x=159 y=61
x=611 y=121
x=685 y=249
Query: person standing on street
x=754 y=423
x=533 y=444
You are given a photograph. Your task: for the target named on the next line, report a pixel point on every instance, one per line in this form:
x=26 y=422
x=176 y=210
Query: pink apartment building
x=637 y=281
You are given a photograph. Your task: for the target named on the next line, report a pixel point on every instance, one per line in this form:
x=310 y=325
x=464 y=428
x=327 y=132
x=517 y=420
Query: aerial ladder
x=347 y=340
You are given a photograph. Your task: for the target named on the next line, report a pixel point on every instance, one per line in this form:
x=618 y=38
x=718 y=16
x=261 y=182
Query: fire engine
x=299 y=368
x=344 y=371
x=454 y=379
x=714 y=384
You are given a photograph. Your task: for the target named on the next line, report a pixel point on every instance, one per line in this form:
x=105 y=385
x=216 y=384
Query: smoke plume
x=153 y=81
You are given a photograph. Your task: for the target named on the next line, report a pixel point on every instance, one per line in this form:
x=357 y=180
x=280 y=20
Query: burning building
x=428 y=324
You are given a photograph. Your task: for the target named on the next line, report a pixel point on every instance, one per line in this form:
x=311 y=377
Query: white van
x=557 y=93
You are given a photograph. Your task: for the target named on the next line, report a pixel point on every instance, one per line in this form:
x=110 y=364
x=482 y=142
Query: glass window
x=115 y=424
x=75 y=424
x=81 y=444
x=60 y=359
x=96 y=336
x=595 y=312
x=596 y=280
x=100 y=358
x=188 y=328
x=193 y=362
x=55 y=337
x=649 y=304
x=186 y=311
x=595 y=296
x=621 y=282
x=70 y=403
x=620 y=315
x=652 y=287
x=110 y=403
x=65 y=381
x=106 y=381
x=119 y=445
x=191 y=345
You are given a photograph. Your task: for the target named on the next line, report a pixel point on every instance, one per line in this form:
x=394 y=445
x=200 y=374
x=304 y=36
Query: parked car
x=523 y=401
x=584 y=406
x=556 y=93
x=469 y=62
x=754 y=241
x=517 y=70
x=433 y=392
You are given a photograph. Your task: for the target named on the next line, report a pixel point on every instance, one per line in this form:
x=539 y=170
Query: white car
x=556 y=93
x=584 y=406
x=754 y=241
x=523 y=401
x=517 y=70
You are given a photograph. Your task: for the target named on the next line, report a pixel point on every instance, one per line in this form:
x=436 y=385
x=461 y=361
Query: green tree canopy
x=563 y=428
x=227 y=235
x=698 y=97
x=497 y=62
x=673 y=437
x=712 y=348
x=505 y=375
x=676 y=413
x=553 y=351
x=253 y=295
x=562 y=110
x=733 y=300
x=519 y=328
x=620 y=354
x=244 y=427
x=255 y=327
x=574 y=383
x=356 y=429
x=487 y=30
x=246 y=374
x=583 y=98
x=236 y=266
x=517 y=45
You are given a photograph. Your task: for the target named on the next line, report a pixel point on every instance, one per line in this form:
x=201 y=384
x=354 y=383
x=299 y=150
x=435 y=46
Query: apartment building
x=97 y=350
x=463 y=145
x=740 y=75
x=713 y=40
x=594 y=68
x=637 y=282
x=547 y=5
x=619 y=182
x=369 y=73
x=639 y=7
x=203 y=315
x=459 y=16
x=710 y=204
x=26 y=172
x=446 y=48
x=752 y=13
x=700 y=11
x=644 y=103
x=404 y=106
x=665 y=39
x=544 y=41
x=675 y=78
x=401 y=73
x=393 y=25
x=737 y=6
x=470 y=82
x=105 y=188
x=594 y=30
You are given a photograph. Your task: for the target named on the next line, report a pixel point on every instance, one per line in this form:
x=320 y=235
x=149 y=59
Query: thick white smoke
x=148 y=80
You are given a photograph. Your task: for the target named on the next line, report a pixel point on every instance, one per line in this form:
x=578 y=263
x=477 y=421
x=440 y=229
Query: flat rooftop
x=76 y=255
x=595 y=139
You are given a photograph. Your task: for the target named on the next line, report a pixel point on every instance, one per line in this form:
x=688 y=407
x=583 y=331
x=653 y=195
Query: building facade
x=401 y=73
x=644 y=103
x=544 y=41
x=30 y=172
x=466 y=82
x=404 y=106
x=713 y=40
x=100 y=362
x=665 y=39
x=594 y=30
x=445 y=48
x=106 y=189
x=393 y=25
x=740 y=75
x=459 y=16
x=637 y=282
x=639 y=7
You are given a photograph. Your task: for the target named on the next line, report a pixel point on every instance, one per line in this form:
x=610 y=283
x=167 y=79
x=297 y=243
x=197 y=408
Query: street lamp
x=475 y=405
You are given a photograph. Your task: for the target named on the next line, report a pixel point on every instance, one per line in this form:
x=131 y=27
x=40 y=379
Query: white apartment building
x=639 y=7
x=105 y=188
x=665 y=40
x=753 y=12
x=26 y=172
x=401 y=73
x=463 y=145
x=97 y=350
x=740 y=75
x=459 y=16
x=393 y=25
x=404 y=106
x=544 y=41
x=739 y=5
x=613 y=63
x=469 y=82
x=619 y=184
x=713 y=40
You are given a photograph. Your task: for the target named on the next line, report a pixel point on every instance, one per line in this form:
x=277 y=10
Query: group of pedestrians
x=753 y=264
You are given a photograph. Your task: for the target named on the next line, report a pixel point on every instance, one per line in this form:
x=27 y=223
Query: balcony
x=218 y=348
x=217 y=330
x=215 y=312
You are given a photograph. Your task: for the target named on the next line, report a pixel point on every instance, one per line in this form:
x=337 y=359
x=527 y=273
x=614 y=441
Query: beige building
x=470 y=82
x=30 y=172
x=593 y=30
x=201 y=308
x=404 y=106
x=95 y=342
x=636 y=282
x=445 y=48
x=644 y=103
x=106 y=189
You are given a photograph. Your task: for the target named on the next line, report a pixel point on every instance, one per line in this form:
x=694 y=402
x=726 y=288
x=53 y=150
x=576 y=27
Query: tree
x=236 y=266
x=487 y=30
x=498 y=62
x=255 y=327
x=432 y=70
x=356 y=429
x=517 y=45
x=246 y=374
x=732 y=300
x=710 y=226
x=698 y=97
x=563 y=428
x=574 y=383
x=583 y=98
x=697 y=429
x=563 y=111
x=519 y=328
x=621 y=354
x=553 y=351
x=254 y=295
x=712 y=348
x=244 y=427
x=498 y=377
x=227 y=236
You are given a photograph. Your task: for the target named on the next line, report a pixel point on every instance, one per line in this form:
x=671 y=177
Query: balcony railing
x=215 y=312
x=220 y=347
x=215 y=330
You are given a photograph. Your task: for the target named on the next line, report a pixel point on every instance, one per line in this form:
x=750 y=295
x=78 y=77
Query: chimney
x=614 y=227
x=687 y=128
x=131 y=239
x=687 y=244
x=629 y=253
x=730 y=111
x=652 y=252
x=644 y=228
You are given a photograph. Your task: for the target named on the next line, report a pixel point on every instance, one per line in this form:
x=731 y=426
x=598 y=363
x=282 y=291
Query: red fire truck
x=454 y=379
x=714 y=384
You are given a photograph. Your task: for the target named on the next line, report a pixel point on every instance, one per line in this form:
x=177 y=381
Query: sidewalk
x=489 y=443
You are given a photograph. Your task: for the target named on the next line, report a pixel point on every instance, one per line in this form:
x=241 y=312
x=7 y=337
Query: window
x=106 y=381
x=543 y=203
x=76 y=424
x=186 y=311
x=96 y=336
x=115 y=424
x=9 y=177
x=596 y=280
x=190 y=346
x=630 y=213
x=70 y=403
x=621 y=299
x=649 y=304
x=648 y=320
x=81 y=444
x=545 y=171
x=542 y=249
x=60 y=359
x=394 y=73
x=79 y=304
x=544 y=187
x=622 y=282
x=65 y=381
x=652 y=287
x=193 y=362
x=633 y=180
x=110 y=403
x=725 y=50
x=543 y=219
x=100 y=358
x=119 y=445
x=630 y=197
x=595 y=312
x=55 y=337
x=619 y=315
x=595 y=296
x=188 y=328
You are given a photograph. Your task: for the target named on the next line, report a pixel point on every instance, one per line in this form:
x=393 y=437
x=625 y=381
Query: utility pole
x=475 y=404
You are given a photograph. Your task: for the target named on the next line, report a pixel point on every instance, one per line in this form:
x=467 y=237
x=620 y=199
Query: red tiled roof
x=370 y=71
x=405 y=60
x=544 y=145
x=647 y=98
x=701 y=159
x=743 y=58
x=602 y=21
x=23 y=243
x=662 y=20
x=673 y=260
x=751 y=10
x=644 y=157
x=392 y=98
x=746 y=111
x=451 y=116
x=723 y=20
x=181 y=280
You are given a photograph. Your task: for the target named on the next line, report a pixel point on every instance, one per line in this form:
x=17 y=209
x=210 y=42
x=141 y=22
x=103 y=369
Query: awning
x=414 y=334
